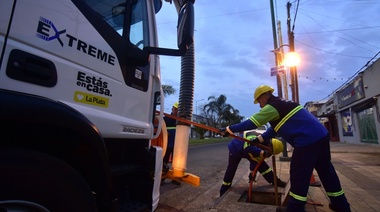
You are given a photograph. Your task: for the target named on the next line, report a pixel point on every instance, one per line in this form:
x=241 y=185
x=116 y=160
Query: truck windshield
x=114 y=12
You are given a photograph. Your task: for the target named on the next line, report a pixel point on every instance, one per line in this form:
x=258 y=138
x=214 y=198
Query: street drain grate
x=259 y=197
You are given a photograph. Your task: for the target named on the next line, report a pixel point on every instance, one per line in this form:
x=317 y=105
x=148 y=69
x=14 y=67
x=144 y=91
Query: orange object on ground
x=313 y=182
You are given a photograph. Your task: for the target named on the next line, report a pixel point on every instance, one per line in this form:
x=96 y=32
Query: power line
x=334 y=79
x=335 y=53
x=340 y=30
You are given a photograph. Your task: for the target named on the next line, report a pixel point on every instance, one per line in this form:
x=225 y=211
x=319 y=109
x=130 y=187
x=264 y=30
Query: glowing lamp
x=292 y=59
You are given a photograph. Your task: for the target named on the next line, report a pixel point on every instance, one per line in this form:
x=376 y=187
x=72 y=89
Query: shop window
x=367 y=126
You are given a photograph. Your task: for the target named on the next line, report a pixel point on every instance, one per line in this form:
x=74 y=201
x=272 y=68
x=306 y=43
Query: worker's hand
x=254 y=141
x=251 y=177
x=223 y=131
x=267 y=153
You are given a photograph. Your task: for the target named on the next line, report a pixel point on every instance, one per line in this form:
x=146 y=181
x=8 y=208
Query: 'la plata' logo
x=43 y=29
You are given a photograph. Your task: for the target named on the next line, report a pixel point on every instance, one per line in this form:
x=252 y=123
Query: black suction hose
x=186 y=91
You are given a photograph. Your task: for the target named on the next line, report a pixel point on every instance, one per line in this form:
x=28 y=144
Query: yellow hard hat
x=260 y=90
x=278 y=147
x=175 y=105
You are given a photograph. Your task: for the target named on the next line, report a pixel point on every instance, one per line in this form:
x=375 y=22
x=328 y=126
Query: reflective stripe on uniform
x=170 y=128
x=254 y=121
x=266 y=171
x=335 y=194
x=246 y=144
x=297 y=197
x=257 y=159
x=287 y=117
x=225 y=183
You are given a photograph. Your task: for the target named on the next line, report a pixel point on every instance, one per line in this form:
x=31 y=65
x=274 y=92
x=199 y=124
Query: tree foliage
x=168 y=90
x=219 y=113
x=201 y=131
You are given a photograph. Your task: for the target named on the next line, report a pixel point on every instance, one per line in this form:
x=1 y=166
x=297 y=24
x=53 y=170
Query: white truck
x=79 y=93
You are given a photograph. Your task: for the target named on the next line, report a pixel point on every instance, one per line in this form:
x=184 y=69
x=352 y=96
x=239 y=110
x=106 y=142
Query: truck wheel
x=34 y=181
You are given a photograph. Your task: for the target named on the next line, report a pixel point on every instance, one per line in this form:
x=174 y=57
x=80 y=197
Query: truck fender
x=45 y=125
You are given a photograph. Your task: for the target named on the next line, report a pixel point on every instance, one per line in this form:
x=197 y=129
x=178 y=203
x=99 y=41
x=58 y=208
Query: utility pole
x=278 y=76
x=293 y=69
x=281 y=59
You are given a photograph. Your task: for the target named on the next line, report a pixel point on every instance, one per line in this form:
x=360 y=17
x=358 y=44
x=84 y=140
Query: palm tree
x=217 y=108
x=232 y=117
x=168 y=90
x=201 y=131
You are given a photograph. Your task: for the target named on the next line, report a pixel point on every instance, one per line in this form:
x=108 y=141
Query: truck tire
x=35 y=181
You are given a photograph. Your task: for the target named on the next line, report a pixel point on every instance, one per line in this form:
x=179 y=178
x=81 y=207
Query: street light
x=291 y=60
x=196 y=106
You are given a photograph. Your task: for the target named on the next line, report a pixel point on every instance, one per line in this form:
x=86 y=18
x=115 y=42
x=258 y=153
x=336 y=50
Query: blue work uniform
x=171 y=128
x=238 y=150
x=311 y=143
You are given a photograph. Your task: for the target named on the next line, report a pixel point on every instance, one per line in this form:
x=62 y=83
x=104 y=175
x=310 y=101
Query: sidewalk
x=358 y=168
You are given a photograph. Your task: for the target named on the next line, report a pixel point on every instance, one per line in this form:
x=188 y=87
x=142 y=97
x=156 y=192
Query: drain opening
x=259 y=197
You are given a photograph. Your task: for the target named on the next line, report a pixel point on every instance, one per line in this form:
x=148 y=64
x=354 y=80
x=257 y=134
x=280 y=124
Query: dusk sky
x=234 y=39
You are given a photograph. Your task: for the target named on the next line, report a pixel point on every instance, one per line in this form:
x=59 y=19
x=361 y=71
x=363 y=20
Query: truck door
x=5 y=16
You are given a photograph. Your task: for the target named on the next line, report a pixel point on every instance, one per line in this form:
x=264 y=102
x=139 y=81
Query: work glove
x=251 y=177
x=223 y=131
x=267 y=153
x=254 y=141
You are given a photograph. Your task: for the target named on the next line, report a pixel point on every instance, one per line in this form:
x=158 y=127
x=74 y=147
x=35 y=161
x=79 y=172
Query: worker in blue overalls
x=311 y=143
x=239 y=149
x=171 y=128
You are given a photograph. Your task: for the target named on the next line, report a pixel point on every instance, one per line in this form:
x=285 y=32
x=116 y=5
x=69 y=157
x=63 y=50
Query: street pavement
x=358 y=168
x=357 y=165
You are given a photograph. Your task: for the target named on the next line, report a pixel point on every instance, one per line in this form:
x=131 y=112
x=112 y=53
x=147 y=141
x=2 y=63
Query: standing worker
x=171 y=127
x=238 y=150
x=311 y=142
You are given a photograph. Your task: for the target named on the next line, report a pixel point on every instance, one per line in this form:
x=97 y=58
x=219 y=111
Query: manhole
x=259 y=197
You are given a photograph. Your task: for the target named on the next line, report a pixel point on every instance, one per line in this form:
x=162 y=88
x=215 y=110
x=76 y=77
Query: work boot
x=165 y=168
x=280 y=183
x=224 y=188
x=334 y=208
x=281 y=209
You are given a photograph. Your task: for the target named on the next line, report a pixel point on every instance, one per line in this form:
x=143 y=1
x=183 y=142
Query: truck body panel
x=91 y=82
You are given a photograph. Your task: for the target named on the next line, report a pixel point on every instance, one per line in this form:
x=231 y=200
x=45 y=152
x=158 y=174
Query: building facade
x=353 y=110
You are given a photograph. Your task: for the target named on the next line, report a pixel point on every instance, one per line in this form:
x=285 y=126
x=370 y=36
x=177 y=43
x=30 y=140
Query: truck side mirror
x=185 y=28
x=185 y=33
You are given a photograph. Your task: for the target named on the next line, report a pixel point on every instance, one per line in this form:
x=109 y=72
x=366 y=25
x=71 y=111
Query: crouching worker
x=239 y=149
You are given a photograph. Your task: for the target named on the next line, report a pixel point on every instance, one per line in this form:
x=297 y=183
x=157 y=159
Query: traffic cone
x=313 y=182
